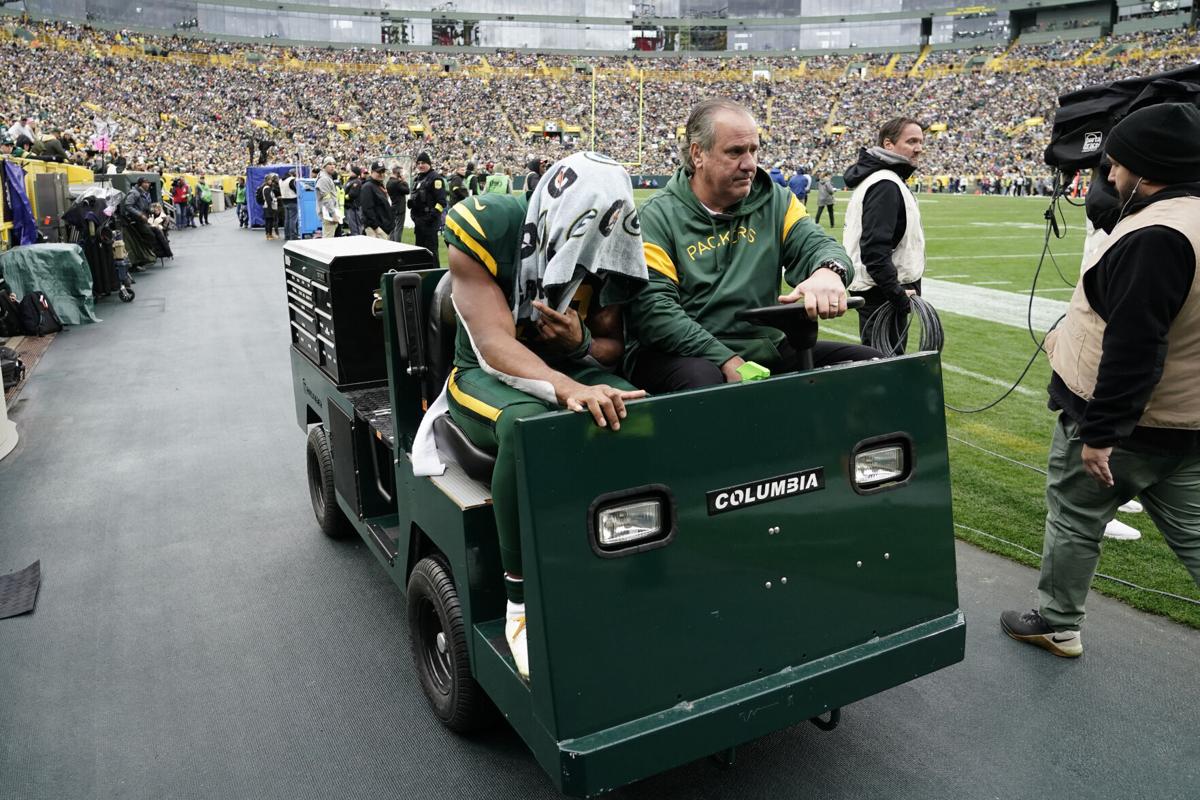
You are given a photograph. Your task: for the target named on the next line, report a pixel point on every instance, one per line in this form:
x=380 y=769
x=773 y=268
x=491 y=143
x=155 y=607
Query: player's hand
x=561 y=333
x=1095 y=461
x=606 y=403
x=823 y=293
x=730 y=369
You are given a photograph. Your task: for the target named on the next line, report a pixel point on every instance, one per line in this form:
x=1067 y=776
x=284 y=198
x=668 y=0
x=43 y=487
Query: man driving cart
x=715 y=240
x=537 y=285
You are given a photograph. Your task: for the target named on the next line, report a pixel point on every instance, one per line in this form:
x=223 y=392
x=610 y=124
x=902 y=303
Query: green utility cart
x=733 y=561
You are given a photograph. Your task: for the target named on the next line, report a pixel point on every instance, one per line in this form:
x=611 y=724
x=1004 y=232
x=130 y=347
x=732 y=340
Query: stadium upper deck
x=197 y=107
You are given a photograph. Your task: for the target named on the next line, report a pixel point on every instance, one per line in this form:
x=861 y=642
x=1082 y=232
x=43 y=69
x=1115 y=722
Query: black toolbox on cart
x=331 y=285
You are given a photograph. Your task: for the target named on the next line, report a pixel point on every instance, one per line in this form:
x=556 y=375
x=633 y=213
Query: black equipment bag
x=12 y=368
x=38 y=316
x=1085 y=117
x=10 y=312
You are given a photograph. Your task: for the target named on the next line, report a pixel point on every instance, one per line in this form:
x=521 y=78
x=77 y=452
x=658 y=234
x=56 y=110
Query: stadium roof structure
x=691 y=21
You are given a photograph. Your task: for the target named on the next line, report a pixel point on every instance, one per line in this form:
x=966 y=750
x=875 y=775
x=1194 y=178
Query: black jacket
x=397 y=189
x=353 y=188
x=532 y=177
x=884 y=222
x=458 y=188
x=428 y=198
x=376 y=207
x=1138 y=288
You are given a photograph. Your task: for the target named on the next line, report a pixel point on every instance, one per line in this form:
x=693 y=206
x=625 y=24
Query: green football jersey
x=488 y=229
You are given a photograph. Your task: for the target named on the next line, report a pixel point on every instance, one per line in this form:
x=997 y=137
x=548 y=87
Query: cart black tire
x=439 y=649
x=330 y=519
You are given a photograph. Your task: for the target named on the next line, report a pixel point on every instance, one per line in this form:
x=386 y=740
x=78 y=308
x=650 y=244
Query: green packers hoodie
x=705 y=267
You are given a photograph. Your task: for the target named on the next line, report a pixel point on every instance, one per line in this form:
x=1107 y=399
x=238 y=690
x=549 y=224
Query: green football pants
x=487 y=410
x=1078 y=509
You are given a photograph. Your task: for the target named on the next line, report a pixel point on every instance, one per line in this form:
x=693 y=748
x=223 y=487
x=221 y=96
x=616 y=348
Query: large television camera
x=1085 y=117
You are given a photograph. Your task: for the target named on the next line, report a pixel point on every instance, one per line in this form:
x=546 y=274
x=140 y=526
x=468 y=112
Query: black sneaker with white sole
x=1029 y=627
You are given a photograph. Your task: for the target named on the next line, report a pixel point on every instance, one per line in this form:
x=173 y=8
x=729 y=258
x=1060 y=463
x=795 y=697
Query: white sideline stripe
x=1059 y=289
x=966 y=373
x=952 y=276
x=1017 y=255
x=988 y=379
x=991 y=305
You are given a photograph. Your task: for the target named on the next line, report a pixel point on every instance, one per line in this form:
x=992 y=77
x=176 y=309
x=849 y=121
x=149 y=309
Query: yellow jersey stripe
x=658 y=260
x=463 y=211
x=475 y=247
x=795 y=213
x=466 y=401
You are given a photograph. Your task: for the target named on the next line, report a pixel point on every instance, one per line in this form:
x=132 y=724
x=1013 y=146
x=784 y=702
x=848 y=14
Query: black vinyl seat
x=452 y=441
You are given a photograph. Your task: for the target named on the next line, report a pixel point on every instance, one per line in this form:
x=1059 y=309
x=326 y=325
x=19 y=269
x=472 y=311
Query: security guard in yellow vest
x=1126 y=364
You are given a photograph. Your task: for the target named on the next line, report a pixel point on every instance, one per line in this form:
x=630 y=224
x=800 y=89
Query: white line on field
x=1057 y=289
x=988 y=379
x=947 y=276
x=1017 y=255
x=992 y=283
x=966 y=373
x=992 y=305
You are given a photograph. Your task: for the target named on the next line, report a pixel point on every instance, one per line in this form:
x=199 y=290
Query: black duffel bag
x=1085 y=117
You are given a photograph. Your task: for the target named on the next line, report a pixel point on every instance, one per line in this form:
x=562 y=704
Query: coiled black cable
x=887 y=337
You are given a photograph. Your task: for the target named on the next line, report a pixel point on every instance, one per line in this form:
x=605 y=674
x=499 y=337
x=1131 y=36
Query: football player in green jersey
x=537 y=287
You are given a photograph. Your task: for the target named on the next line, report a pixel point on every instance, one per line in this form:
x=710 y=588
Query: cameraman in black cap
x=427 y=202
x=1126 y=360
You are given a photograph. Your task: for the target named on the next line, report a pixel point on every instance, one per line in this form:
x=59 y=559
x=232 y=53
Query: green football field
x=992 y=245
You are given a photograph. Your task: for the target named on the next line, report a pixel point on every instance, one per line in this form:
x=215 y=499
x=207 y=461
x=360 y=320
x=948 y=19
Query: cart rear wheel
x=332 y=521
x=439 y=648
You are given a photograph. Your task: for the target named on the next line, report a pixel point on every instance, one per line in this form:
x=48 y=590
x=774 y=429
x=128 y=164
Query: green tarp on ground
x=60 y=271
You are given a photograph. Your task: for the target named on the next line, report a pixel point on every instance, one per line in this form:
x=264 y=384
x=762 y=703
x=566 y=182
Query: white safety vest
x=909 y=254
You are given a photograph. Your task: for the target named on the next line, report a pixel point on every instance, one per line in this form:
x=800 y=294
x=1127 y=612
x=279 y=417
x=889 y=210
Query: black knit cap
x=1160 y=143
x=424 y=157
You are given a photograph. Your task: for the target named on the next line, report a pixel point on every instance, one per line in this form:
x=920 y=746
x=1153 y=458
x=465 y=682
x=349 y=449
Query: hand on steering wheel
x=823 y=293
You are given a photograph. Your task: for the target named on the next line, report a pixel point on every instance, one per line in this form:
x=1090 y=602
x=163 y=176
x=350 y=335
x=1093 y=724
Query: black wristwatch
x=835 y=267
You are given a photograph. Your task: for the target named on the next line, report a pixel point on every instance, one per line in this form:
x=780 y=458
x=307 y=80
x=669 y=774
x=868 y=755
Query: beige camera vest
x=1075 y=347
x=909 y=255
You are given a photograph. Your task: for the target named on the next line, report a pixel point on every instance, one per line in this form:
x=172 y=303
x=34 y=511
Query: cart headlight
x=631 y=521
x=879 y=465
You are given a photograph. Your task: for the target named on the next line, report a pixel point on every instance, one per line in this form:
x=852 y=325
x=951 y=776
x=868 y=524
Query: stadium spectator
x=715 y=240
x=799 y=184
x=376 y=207
x=239 y=199
x=825 y=193
x=288 y=200
x=180 y=195
x=459 y=189
x=1124 y=376
x=535 y=167
x=353 y=211
x=327 y=199
x=268 y=198
x=21 y=132
x=883 y=233
x=397 y=189
x=477 y=179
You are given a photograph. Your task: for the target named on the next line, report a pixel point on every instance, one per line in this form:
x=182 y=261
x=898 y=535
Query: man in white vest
x=1126 y=360
x=883 y=226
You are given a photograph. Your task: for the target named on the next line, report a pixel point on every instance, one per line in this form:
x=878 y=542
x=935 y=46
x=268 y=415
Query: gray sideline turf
x=196 y=637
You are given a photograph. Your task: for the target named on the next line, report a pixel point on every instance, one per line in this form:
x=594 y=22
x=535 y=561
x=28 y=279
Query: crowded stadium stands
x=212 y=107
